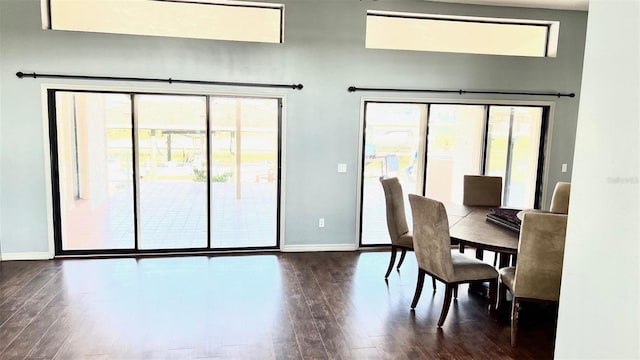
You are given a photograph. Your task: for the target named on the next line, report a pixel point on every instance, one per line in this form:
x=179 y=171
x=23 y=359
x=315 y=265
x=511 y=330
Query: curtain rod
x=34 y=75
x=461 y=92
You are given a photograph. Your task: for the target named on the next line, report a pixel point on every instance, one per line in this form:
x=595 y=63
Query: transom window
x=204 y=19
x=461 y=34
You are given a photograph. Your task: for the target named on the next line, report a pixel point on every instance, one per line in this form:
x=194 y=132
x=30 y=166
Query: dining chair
x=536 y=276
x=560 y=198
x=432 y=246
x=480 y=190
x=401 y=237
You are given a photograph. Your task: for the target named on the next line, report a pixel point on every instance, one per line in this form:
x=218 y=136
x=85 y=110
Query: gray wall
x=323 y=49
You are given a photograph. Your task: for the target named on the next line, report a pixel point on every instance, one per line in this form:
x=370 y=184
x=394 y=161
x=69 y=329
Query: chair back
x=394 y=199
x=560 y=198
x=540 y=256
x=482 y=190
x=431 y=241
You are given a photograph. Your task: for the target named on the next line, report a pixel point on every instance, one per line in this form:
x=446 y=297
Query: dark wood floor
x=283 y=306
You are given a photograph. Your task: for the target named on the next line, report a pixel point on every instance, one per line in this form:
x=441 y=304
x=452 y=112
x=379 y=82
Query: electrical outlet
x=342 y=168
x=321 y=222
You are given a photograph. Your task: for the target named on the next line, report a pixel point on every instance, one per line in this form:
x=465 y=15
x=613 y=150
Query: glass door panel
x=95 y=171
x=513 y=151
x=244 y=137
x=172 y=168
x=393 y=146
x=455 y=144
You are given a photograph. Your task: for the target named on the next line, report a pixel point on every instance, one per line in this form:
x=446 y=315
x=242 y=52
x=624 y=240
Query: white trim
x=432 y=100
x=163 y=88
x=359 y=173
x=283 y=167
x=319 y=247
x=47 y=171
x=195 y=90
x=44 y=14
x=44 y=255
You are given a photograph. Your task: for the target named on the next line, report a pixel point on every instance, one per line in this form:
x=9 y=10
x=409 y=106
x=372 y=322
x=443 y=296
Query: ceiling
x=581 y=5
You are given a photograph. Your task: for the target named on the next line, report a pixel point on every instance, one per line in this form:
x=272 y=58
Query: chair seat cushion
x=507 y=275
x=467 y=268
x=406 y=240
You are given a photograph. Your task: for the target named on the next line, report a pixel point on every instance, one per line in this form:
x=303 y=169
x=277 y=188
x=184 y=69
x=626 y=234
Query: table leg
x=479 y=288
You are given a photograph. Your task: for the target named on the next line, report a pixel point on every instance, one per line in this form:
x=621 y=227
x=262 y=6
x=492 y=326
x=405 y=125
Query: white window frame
x=418 y=31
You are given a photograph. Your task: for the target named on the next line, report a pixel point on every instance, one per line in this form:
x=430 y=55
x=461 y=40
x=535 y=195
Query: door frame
x=52 y=206
x=544 y=149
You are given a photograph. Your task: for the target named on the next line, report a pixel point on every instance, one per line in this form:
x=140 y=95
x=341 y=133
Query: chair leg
x=493 y=290
x=391 y=261
x=416 y=296
x=514 y=320
x=433 y=282
x=402 y=255
x=455 y=292
x=446 y=303
x=502 y=297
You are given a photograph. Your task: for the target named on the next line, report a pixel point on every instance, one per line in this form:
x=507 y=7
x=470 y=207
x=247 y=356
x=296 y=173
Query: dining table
x=468 y=227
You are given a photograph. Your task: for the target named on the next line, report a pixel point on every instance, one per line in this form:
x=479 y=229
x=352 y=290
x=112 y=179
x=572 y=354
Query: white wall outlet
x=564 y=167
x=321 y=222
x=342 y=168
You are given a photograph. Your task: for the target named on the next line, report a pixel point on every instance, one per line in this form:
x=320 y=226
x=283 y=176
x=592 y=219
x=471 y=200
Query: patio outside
x=95 y=149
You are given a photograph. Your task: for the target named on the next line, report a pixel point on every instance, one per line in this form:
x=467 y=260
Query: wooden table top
x=469 y=226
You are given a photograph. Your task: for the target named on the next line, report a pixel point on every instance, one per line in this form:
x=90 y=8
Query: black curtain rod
x=21 y=75
x=462 y=92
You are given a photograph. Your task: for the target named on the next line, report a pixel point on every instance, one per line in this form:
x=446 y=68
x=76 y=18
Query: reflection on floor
x=263 y=306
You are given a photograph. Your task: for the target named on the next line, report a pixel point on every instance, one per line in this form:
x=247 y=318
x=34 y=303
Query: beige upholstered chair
x=399 y=233
x=560 y=198
x=432 y=246
x=539 y=269
x=482 y=190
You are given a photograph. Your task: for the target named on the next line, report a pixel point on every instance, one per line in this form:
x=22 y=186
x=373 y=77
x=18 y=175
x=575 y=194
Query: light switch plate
x=564 y=167
x=342 y=168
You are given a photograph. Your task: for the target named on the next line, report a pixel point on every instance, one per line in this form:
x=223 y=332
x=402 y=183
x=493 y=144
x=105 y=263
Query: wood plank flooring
x=332 y=305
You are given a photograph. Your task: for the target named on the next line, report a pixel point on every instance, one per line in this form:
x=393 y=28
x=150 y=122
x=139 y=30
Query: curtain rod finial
x=298 y=86
x=351 y=89
x=572 y=95
x=20 y=74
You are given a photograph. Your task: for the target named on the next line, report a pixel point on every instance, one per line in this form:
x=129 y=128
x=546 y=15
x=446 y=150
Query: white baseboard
x=319 y=247
x=25 y=256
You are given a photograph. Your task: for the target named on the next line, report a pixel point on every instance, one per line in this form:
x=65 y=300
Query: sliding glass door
x=454 y=149
x=393 y=147
x=94 y=171
x=156 y=172
x=171 y=134
x=244 y=172
x=513 y=151
x=430 y=147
